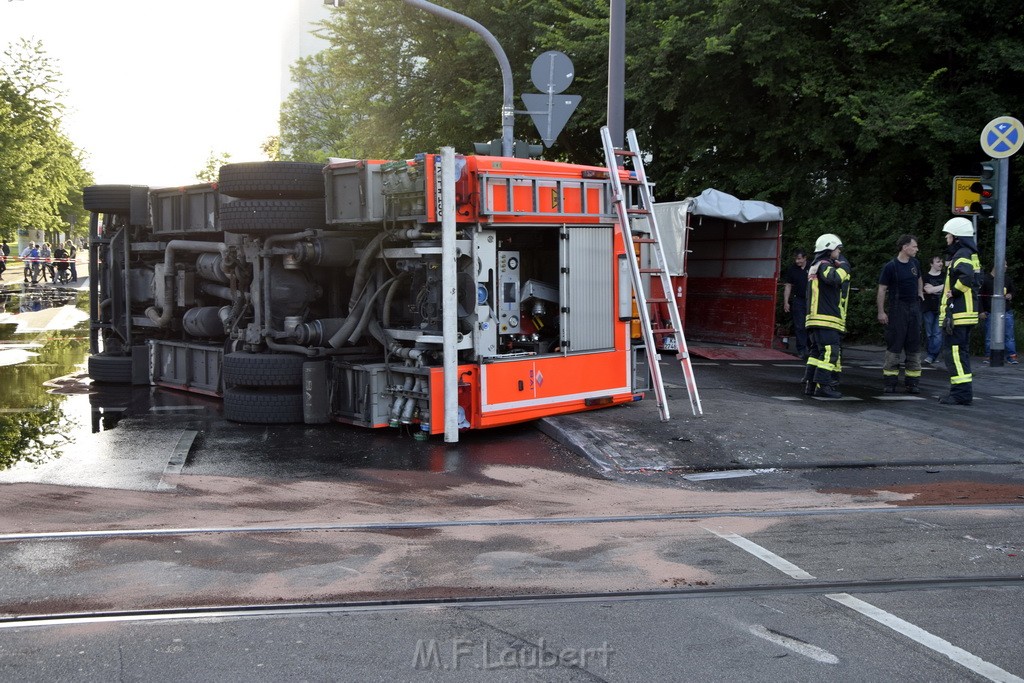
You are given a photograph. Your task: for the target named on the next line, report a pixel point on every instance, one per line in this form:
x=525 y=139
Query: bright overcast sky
x=153 y=87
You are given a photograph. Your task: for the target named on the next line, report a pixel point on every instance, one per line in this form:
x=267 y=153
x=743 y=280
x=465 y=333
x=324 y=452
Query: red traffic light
x=987 y=188
x=984 y=189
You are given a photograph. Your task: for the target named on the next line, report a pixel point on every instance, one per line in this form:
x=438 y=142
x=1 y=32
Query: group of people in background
x=43 y=262
x=945 y=302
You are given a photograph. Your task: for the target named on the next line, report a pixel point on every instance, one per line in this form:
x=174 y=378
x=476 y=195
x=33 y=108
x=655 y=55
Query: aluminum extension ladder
x=645 y=209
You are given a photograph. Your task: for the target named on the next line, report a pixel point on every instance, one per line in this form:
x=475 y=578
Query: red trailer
x=724 y=258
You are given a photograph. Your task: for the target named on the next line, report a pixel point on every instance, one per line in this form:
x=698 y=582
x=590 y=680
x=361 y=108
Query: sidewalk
x=756 y=417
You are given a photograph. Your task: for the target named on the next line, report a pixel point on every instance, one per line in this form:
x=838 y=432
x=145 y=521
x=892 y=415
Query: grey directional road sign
x=550 y=113
x=552 y=73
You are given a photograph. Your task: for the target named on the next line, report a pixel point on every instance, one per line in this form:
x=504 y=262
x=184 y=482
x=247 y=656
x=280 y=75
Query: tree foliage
x=397 y=81
x=211 y=170
x=853 y=117
x=41 y=171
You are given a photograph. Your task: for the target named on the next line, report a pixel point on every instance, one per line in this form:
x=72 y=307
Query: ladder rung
x=647 y=315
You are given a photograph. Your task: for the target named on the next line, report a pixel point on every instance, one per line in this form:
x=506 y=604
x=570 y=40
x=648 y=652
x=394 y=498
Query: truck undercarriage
x=307 y=293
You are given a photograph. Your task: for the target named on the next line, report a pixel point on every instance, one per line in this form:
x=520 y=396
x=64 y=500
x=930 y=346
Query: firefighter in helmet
x=828 y=290
x=958 y=313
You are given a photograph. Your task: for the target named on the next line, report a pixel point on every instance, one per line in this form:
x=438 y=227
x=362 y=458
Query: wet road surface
x=150 y=537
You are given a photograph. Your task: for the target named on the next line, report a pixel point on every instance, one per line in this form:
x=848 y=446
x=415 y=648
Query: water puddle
x=57 y=427
x=43 y=345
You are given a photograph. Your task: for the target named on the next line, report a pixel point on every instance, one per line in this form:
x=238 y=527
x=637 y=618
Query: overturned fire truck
x=302 y=293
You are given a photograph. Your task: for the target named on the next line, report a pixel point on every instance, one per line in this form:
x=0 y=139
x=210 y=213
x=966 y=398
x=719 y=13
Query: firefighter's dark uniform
x=828 y=291
x=958 y=316
x=903 y=333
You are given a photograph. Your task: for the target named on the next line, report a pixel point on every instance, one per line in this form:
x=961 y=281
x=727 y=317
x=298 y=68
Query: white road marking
x=844 y=398
x=1010 y=398
x=932 y=642
x=703 y=363
x=797 y=646
x=922 y=523
x=763 y=554
x=899 y=397
x=794 y=364
x=724 y=474
x=787 y=398
x=915 y=633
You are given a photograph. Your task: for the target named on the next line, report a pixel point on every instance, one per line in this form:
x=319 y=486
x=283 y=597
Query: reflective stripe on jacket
x=828 y=292
x=963 y=282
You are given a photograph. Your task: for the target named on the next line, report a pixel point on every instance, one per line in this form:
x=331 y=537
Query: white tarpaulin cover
x=713 y=204
x=721 y=205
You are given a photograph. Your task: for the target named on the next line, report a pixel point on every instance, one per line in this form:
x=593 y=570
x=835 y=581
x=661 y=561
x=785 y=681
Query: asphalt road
x=166 y=543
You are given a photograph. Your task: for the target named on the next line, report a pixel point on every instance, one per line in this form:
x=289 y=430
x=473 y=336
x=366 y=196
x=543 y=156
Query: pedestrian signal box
x=965 y=196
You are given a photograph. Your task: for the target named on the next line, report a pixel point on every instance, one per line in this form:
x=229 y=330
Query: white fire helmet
x=827 y=242
x=959 y=227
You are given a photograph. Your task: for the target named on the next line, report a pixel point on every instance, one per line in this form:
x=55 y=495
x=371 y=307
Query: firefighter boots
x=913 y=385
x=890 y=384
x=830 y=390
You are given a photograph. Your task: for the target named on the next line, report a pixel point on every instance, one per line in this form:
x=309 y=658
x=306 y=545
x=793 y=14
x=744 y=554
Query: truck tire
x=257 y=370
x=270 y=216
x=272 y=180
x=252 y=406
x=108 y=198
x=104 y=369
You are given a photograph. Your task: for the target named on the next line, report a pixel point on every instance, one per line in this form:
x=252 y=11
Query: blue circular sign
x=1002 y=137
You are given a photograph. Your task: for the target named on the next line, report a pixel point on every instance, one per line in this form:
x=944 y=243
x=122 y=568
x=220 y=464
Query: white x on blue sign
x=1002 y=137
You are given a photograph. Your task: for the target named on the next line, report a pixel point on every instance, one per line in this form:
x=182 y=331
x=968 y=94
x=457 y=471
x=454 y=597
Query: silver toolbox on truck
x=184 y=210
x=353 y=193
x=190 y=366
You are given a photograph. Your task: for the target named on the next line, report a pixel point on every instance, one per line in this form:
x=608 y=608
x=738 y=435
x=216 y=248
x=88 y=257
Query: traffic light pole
x=997 y=306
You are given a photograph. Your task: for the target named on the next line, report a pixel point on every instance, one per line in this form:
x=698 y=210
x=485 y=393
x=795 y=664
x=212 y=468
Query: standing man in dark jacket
x=794 y=299
x=828 y=290
x=900 y=282
x=959 y=313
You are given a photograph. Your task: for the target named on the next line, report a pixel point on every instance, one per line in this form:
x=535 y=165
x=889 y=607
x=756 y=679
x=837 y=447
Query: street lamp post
x=507 y=109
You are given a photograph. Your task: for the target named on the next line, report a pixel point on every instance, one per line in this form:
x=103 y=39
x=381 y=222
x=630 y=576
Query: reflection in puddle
x=43 y=343
x=120 y=436
x=29 y=298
